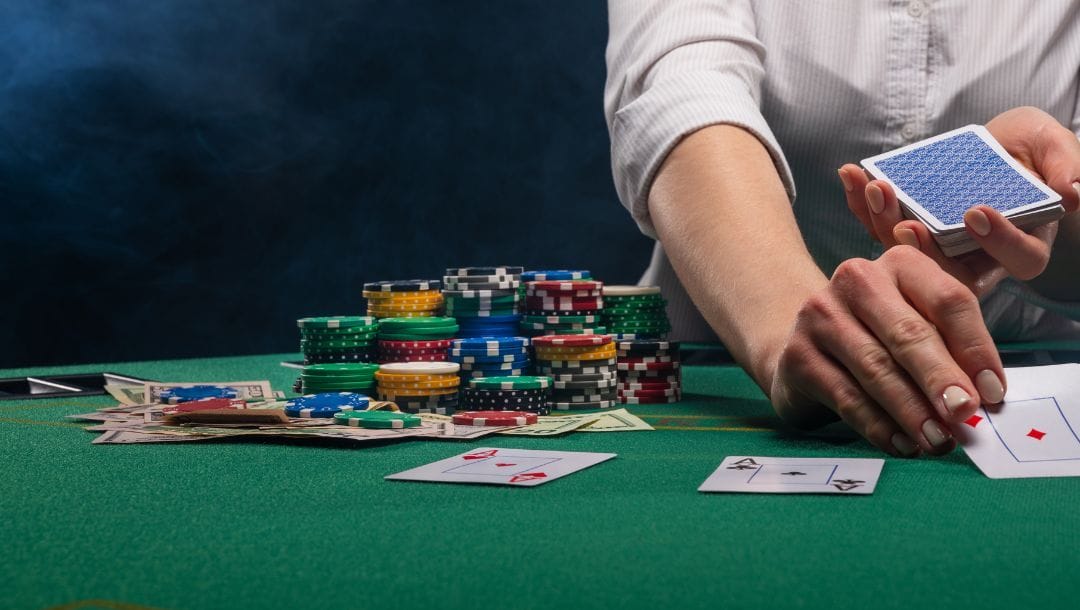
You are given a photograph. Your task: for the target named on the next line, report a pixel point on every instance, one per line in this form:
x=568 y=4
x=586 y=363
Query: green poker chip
x=378 y=419
x=336 y=322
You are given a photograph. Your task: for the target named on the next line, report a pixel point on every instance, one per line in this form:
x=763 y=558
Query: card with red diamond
x=1035 y=432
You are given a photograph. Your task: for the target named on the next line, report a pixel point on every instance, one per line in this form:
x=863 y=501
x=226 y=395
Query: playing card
x=493 y=466
x=1034 y=433
x=938 y=179
x=748 y=474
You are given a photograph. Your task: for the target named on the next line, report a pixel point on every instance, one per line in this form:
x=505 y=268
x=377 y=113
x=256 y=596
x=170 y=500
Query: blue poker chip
x=555 y=275
x=175 y=396
x=325 y=404
x=490 y=320
x=481 y=333
x=490 y=342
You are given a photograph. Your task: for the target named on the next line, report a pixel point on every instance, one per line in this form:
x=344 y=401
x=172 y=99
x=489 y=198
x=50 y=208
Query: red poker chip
x=529 y=292
x=567 y=286
x=494 y=418
x=387 y=359
x=624 y=365
x=206 y=404
x=413 y=352
x=409 y=345
x=571 y=340
x=650 y=393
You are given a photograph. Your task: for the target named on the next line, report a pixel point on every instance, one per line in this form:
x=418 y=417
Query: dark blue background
x=187 y=177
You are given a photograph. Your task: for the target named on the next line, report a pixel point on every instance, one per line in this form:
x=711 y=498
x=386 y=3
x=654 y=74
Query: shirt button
x=916 y=8
x=908 y=131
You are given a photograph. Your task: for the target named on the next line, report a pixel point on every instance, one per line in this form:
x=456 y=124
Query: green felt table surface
x=306 y=525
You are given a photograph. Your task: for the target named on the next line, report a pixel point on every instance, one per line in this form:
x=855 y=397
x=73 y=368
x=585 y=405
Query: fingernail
x=978 y=222
x=990 y=387
x=876 y=198
x=1076 y=187
x=848 y=186
x=933 y=433
x=904 y=445
x=906 y=237
x=955 y=397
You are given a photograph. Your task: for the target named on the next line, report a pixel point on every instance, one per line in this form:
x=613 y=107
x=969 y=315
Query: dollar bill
x=246 y=390
x=619 y=420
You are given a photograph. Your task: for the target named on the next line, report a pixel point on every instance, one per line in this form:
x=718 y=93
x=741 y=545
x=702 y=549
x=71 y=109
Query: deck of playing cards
x=938 y=179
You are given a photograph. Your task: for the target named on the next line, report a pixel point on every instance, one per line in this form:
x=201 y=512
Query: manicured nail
x=906 y=237
x=933 y=433
x=848 y=186
x=904 y=445
x=875 y=197
x=991 y=390
x=978 y=222
x=1076 y=187
x=955 y=397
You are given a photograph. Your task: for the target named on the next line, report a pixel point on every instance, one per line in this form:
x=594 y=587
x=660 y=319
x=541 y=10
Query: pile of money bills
x=141 y=417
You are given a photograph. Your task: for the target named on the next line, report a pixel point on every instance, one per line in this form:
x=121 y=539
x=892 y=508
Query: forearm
x=1061 y=280
x=724 y=220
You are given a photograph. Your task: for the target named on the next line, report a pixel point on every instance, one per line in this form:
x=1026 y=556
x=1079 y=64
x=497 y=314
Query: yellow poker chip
x=404 y=308
x=427 y=295
x=551 y=354
x=419 y=385
x=396 y=393
x=433 y=313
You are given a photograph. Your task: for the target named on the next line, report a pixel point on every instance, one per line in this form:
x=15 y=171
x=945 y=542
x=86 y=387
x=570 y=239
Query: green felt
x=275 y=525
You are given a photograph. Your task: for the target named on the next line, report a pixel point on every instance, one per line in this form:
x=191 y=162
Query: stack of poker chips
x=649 y=371
x=491 y=356
x=484 y=300
x=325 y=405
x=522 y=393
x=338 y=339
x=415 y=339
x=420 y=387
x=404 y=298
x=563 y=307
x=337 y=377
x=635 y=312
x=582 y=369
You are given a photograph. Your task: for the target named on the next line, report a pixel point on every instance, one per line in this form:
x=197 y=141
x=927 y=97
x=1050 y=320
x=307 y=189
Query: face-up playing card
x=1035 y=432
x=938 y=179
x=749 y=474
x=493 y=466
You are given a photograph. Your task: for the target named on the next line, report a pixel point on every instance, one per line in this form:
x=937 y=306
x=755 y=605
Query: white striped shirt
x=825 y=83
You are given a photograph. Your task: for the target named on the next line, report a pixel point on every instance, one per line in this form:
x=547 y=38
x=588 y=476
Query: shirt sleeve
x=674 y=67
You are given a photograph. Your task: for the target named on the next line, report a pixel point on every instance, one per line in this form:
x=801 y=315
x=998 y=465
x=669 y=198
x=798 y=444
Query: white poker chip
x=630 y=291
x=422 y=368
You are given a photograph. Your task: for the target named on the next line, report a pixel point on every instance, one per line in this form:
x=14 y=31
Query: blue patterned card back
x=949 y=176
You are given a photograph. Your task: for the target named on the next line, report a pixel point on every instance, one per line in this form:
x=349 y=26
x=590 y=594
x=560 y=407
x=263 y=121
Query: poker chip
x=517 y=382
x=647 y=366
x=659 y=385
x=565 y=286
x=571 y=340
x=490 y=342
x=633 y=400
x=325 y=405
x=484 y=304
x=403 y=285
x=476 y=373
x=482 y=358
x=591 y=318
x=482 y=271
x=582 y=406
x=378 y=419
x=421 y=368
x=196 y=392
x=626 y=291
x=555 y=274
x=336 y=322
x=494 y=418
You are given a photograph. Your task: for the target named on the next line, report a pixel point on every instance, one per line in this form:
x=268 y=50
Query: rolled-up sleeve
x=674 y=67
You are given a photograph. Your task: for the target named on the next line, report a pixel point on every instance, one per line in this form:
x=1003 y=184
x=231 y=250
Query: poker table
x=314 y=525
